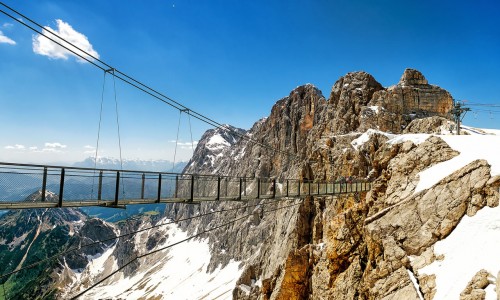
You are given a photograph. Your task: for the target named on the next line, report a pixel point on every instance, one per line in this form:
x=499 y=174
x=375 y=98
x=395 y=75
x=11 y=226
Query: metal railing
x=43 y=186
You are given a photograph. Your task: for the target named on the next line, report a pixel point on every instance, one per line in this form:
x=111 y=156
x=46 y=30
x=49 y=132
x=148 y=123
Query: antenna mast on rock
x=458 y=111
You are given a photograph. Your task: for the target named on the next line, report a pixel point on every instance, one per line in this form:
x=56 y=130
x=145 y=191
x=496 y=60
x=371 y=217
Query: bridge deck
x=25 y=186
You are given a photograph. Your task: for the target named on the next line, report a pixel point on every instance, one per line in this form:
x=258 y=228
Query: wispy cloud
x=7 y=25
x=55 y=145
x=90 y=149
x=52 y=147
x=44 y=46
x=15 y=147
x=185 y=145
x=6 y=40
x=33 y=148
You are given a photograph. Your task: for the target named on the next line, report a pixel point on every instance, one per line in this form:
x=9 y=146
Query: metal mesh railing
x=23 y=185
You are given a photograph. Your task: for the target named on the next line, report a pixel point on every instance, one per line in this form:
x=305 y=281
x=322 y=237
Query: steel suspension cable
x=98 y=136
x=177 y=139
x=172 y=245
x=191 y=132
x=118 y=129
x=76 y=248
x=135 y=83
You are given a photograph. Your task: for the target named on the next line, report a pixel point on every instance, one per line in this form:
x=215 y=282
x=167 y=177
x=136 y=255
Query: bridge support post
x=142 y=185
x=192 y=189
x=61 y=188
x=117 y=188
x=176 y=186
x=218 y=188
x=159 y=189
x=44 y=183
x=298 y=189
x=309 y=186
x=99 y=188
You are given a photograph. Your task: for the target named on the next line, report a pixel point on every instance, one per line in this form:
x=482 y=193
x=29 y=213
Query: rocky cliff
x=362 y=246
x=375 y=245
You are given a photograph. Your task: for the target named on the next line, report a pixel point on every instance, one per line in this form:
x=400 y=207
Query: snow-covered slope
x=475 y=243
x=212 y=147
x=478 y=144
x=472 y=246
x=179 y=272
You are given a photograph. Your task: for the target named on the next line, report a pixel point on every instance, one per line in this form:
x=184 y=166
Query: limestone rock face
x=412 y=77
x=398 y=166
x=433 y=124
x=411 y=98
x=475 y=288
x=349 y=94
x=349 y=247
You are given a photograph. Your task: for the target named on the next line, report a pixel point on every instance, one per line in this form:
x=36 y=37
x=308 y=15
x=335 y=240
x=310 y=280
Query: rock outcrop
x=435 y=124
x=359 y=246
x=412 y=98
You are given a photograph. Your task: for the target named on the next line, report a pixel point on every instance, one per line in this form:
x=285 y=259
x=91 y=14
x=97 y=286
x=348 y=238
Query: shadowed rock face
x=355 y=247
x=349 y=95
x=351 y=247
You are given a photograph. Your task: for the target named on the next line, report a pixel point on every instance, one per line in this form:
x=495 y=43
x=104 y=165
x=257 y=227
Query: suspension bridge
x=35 y=186
x=25 y=186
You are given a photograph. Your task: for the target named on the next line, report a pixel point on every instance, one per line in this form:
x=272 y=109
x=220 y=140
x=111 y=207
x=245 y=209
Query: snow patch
x=471 y=147
x=365 y=137
x=472 y=246
x=217 y=142
x=416 y=138
x=245 y=288
x=415 y=284
x=375 y=108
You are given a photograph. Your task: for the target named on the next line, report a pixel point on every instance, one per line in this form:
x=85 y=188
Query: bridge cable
x=177 y=139
x=135 y=83
x=98 y=136
x=174 y=244
x=133 y=233
x=191 y=132
x=118 y=128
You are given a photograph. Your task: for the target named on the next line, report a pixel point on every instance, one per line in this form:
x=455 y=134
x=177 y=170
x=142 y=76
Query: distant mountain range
x=132 y=164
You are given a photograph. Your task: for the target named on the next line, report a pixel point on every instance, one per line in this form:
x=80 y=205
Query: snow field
x=175 y=273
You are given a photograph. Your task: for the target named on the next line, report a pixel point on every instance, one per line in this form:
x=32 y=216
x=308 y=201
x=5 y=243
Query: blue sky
x=230 y=60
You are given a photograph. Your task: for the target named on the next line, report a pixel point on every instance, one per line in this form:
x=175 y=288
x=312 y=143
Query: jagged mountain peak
x=412 y=77
x=211 y=146
x=360 y=80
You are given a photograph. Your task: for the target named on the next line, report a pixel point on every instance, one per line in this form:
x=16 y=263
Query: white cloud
x=44 y=46
x=34 y=148
x=55 y=145
x=6 y=40
x=90 y=149
x=7 y=25
x=185 y=145
x=15 y=147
